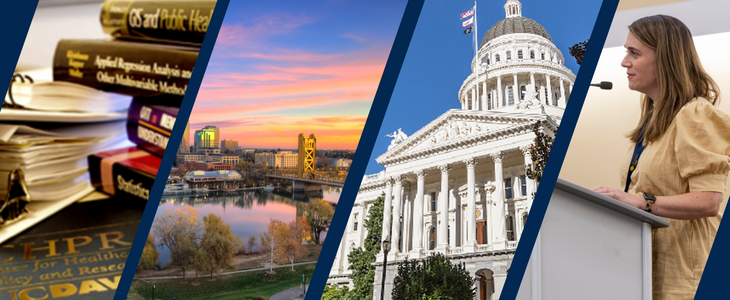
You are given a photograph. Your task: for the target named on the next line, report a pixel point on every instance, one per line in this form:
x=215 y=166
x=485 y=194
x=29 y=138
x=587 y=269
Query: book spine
x=135 y=69
x=183 y=22
x=120 y=180
x=159 y=116
x=149 y=137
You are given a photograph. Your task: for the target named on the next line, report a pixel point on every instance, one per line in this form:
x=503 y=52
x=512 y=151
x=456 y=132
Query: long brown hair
x=680 y=76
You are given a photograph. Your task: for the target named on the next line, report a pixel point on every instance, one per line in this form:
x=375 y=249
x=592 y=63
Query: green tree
x=432 y=278
x=319 y=215
x=361 y=260
x=540 y=151
x=149 y=254
x=334 y=292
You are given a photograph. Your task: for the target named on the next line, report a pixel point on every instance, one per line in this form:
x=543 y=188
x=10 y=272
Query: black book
x=78 y=253
x=184 y=22
x=130 y=68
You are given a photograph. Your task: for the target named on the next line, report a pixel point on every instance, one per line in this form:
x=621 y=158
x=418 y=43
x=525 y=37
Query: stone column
x=562 y=93
x=549 y=90
x=532 y=79
x=530 y=182
x=395 y=232
x=443 y=228
x=471 y=230
x=418 y=215
x=386 y=214
x=489 y=213
x=484 y=95
x=571 y=87
x=498 y=219
x=499 y=91
x=515 y=89
x=406 y=217
x=473 y=96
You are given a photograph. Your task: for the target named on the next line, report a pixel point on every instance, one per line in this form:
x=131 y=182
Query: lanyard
x=640 y=144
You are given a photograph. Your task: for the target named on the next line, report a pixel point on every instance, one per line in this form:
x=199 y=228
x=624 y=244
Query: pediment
x=459 y=128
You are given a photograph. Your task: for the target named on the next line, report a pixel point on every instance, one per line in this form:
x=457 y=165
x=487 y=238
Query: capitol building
x=457 y=186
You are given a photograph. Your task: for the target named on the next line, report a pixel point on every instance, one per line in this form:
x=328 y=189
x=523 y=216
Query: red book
x=124 y=172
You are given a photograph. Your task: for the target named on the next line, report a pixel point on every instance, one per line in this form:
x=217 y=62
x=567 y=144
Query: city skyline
x=273 y=75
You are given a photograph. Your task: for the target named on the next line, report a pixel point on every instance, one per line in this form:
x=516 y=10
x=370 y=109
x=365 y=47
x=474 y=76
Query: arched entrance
x=486 y=284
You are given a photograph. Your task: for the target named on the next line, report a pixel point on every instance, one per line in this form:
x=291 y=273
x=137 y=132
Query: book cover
x=124 y=172
x=169 y=21
x=130 y=68
x=77 y=254
x=149 y=126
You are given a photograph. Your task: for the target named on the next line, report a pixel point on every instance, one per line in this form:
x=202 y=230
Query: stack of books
x=104 y=120
x=151 y=58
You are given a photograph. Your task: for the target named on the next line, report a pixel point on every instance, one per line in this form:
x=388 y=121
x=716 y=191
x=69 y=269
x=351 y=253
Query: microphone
x=604 y=85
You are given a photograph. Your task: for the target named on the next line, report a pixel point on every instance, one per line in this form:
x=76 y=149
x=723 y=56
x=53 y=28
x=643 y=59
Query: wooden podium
x=590 y=246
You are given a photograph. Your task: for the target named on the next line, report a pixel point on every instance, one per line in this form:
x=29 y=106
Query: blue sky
x=439 y=55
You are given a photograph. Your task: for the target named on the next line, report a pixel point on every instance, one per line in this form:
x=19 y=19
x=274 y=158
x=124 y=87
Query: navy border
x=173 y=144
x=560 y=147
x=365 y=147
x=17 y=22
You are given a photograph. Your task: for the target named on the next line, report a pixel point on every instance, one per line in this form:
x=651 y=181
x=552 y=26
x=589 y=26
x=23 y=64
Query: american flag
x=467 y=14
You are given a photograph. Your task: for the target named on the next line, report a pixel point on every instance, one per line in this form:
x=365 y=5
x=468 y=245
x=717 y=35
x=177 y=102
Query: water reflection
x=248 y=212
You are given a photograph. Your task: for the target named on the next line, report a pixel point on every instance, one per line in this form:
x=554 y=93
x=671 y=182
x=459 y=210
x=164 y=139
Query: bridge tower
x=307 y=149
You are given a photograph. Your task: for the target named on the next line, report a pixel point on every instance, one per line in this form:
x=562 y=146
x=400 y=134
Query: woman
x=679 y=165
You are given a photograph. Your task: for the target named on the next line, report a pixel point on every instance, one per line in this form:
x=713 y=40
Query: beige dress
x=692 y=155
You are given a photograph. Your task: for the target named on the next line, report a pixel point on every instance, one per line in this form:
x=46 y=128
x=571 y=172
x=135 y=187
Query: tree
x=149 y=254
x=433 y=278
x=288 y=239
x=334 y=292
x=300 y=230
x=219 y=251
x=219 y=243
x=178 y=229
x=319 y=214
x=184 y=256
x=251 y=243
x=361 y=260
x=267 y=246
x=578 y=50
x=540 y=151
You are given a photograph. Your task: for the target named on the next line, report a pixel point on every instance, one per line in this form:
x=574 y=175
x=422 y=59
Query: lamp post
x=386 y=248
x=153 y=292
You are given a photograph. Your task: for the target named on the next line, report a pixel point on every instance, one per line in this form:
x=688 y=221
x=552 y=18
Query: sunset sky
x=280 y=69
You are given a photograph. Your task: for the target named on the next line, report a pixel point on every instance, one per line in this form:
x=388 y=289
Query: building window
x=542 y=56
x=508 y=188
x=448 y=235
x=523 y=91
x=524 y=219
x=510 y=228
x=489 y=101
x=510 y=96
x=532 y=54
x=523 y=182
x=433 y=201
x=496 y=58
x=509 y=55
x=354 y=226
x=432 y=238
x=519 y=54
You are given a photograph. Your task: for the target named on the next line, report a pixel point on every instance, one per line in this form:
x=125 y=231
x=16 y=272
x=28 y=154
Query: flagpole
x=476 y=54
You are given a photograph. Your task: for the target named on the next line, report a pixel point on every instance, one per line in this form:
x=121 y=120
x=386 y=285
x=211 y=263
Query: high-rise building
x=229 y=146
x=307 y=149
x=185 y=141
x=208 y=137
